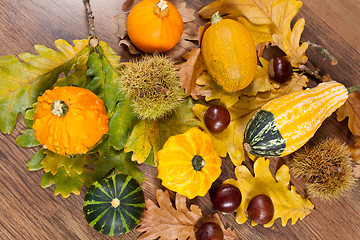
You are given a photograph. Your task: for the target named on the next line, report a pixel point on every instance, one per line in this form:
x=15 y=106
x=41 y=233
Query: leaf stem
x=93 y=40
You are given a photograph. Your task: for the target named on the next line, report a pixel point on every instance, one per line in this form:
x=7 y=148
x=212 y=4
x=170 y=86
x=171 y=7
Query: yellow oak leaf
x=288 y=204
x=139 y=141
x=267 y=21
x=180 y=223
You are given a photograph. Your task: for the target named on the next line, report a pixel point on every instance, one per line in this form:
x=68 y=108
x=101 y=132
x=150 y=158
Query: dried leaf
x=189 y=71
x=288 y=204
x=267 y=21
x=180 y=223
x=184 y=45
x=351 y=110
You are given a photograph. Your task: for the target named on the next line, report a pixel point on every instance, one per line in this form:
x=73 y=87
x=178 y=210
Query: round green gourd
x=114 y=206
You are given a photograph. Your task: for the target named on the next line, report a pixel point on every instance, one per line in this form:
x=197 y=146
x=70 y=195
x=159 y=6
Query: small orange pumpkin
x=188 y=163
x=69 y=120
x=154 y=26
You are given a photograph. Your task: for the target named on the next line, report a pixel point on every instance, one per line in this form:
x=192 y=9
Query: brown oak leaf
x=180 y=223
x=190 y=33
x=351 y=110
x=189 y=71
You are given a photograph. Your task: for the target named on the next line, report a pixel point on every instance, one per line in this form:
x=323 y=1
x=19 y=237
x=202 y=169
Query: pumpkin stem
x=161 y=9
x=59 y=108
x=115 y=202
x=198 y=162
x=216 y=18
x=353 y=89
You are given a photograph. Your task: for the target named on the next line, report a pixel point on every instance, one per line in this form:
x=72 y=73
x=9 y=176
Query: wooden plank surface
x=29 y=212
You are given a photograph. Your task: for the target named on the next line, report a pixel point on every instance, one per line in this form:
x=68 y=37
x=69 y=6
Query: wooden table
x=29 y=212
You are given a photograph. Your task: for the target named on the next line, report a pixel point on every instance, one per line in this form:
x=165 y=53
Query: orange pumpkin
x=69 y=120
x=154 y=26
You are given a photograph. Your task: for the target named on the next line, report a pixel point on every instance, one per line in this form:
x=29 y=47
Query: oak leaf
x=184 y=45
x=179 y=223
x=288 y=204
x=189 y=71
x=351 y=110
x=23 y=80
x=267 y=21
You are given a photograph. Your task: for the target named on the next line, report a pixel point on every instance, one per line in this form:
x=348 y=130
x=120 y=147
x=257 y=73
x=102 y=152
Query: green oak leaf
x=23 y=80
x=78 y=73
x=65 y=183
x=34 y=164
x=53 y=162
x=103 y=68
x=110 y=160
x=121 y=123
x=27 y=139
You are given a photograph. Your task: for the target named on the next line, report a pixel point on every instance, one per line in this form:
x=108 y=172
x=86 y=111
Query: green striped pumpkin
x=285 y=124
x=114 y=206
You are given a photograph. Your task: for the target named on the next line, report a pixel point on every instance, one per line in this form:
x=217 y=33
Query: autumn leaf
x=288 y=204
x=139 y=141
x=27 y=139
x=23 y=80
x=180 y=223
x=53 y=162
x=351 y=110
x=65 y=184
x=185 y=44
x=266 y=21
x=103 y=71
x=189 y=71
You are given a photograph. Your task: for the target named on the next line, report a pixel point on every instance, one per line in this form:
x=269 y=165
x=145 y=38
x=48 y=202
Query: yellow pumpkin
x=154 y=26
x=69 y=120
x=188 y=163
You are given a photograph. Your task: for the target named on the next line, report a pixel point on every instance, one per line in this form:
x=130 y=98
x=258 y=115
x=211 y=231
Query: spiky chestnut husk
x=327 y=168
x=153 y=86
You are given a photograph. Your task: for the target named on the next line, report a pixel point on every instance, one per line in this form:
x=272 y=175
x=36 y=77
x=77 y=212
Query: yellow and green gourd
x=285 y=124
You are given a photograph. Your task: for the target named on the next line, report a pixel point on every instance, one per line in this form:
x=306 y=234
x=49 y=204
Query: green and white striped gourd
x=285 y=124
x=115 y=205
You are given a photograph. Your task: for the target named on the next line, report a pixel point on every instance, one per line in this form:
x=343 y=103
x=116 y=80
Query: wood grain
x=29 y=212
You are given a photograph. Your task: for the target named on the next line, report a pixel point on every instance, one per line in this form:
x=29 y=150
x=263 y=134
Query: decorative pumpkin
x=229 y=53
x=285 y=124
x=69 y=120
x=114 y=206
x=188 y=163
x=154 y=26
